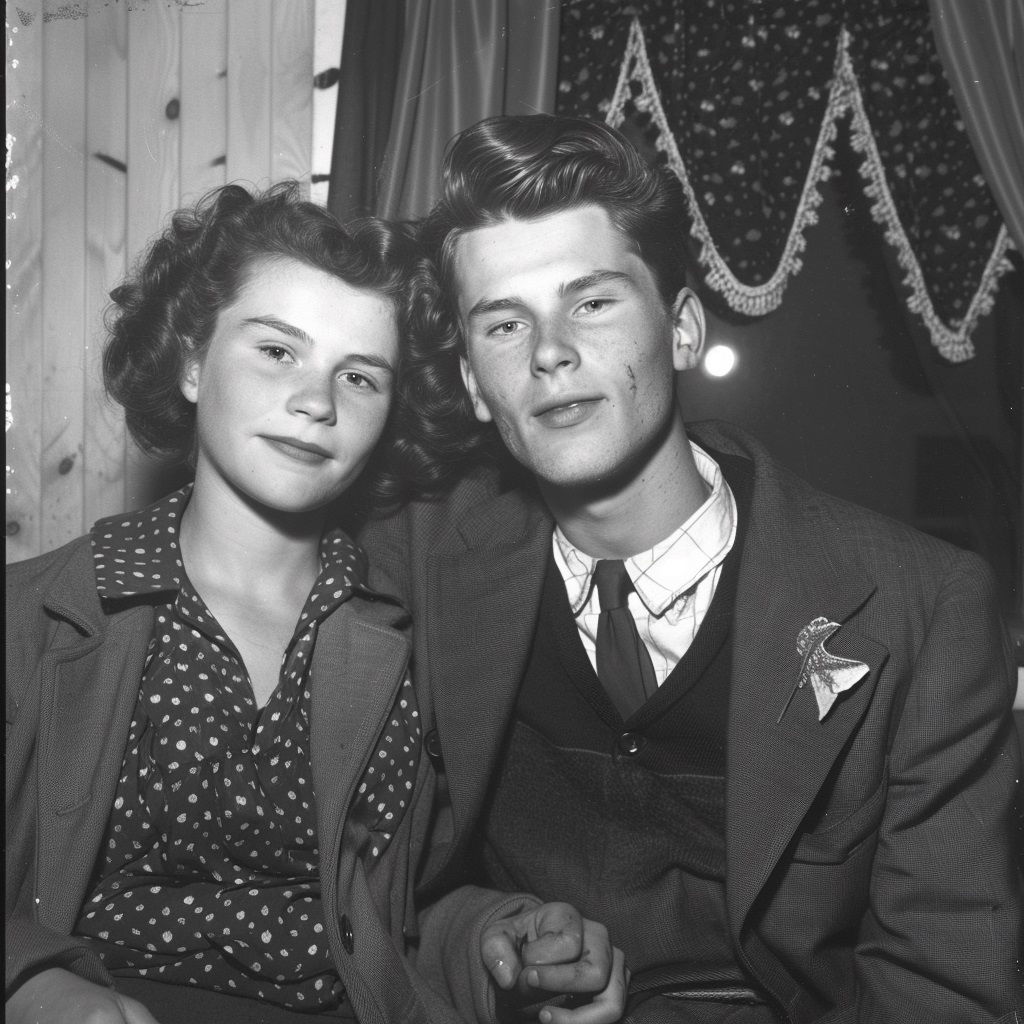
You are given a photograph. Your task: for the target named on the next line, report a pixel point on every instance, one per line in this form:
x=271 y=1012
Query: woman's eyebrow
x=277 y=324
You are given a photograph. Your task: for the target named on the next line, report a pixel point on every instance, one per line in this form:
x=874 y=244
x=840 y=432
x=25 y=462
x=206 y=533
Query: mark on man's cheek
x=632 y=378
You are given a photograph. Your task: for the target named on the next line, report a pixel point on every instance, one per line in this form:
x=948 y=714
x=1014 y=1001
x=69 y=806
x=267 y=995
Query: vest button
x=348 y=940
x=629 y=743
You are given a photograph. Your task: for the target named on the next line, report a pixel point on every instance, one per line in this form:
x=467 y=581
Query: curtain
x=370 y=53
x=742 y=100
x=462 y=60
x=982 y=51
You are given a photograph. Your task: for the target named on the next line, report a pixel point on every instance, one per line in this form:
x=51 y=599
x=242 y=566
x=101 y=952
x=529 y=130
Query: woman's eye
x=278 y=353
x=507 y=327
x=357 y=380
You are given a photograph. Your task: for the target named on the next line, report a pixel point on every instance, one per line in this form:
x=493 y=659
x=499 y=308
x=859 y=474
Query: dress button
x=629 y=743
x=348 y=940
x=432 y=745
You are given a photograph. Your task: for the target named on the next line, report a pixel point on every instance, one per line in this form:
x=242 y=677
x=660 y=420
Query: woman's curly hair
x=166 y=312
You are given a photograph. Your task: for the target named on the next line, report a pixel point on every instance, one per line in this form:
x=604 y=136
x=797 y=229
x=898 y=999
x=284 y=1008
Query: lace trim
x=952 y=340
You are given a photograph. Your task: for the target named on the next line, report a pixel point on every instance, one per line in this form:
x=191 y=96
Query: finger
x=589 y=972
x=605 y=1008
x=500 y=956
x=557 y=935
x=134 y=1012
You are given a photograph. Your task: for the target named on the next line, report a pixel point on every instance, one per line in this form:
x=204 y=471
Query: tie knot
x=613 y=583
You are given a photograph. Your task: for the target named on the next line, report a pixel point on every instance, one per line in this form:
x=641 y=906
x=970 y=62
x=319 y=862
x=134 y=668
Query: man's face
x=570 y=349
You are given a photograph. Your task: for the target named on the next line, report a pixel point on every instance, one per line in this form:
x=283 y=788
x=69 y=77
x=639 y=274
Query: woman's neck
x=237 y=546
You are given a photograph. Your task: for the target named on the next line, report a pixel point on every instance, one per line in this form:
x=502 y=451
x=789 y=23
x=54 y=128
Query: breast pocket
x=836 y=842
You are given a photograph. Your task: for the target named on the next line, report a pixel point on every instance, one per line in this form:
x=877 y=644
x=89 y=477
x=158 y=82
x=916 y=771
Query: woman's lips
x=297 y=450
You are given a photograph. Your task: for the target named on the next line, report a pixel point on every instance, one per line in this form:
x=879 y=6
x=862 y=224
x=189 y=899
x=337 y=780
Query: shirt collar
x=138 y=553
x=662 y=574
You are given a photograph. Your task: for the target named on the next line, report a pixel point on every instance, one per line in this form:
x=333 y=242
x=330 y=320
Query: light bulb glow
x=719 y=360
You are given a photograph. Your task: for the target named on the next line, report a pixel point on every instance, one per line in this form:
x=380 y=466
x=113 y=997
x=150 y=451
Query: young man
x=761 y=734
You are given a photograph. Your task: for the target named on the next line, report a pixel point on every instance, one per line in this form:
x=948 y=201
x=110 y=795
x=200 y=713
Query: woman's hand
x=56 y=996
x=554 y=950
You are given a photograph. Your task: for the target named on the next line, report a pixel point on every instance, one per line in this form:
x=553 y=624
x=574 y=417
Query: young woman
x=215 y=788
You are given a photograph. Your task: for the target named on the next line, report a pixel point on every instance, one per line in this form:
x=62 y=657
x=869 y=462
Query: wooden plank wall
x=115 y=118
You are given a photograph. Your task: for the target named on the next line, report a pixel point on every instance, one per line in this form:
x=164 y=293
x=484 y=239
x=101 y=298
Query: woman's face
x=294 y=388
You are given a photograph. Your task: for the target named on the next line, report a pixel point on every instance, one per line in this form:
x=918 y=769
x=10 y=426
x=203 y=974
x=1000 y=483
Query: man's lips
x=567 y=411
x=303 y=451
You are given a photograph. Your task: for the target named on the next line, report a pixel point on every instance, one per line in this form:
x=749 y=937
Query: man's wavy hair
x=167 y=309
x=525 y=167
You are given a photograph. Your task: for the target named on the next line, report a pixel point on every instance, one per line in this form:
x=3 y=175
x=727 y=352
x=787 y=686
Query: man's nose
x=553 y=349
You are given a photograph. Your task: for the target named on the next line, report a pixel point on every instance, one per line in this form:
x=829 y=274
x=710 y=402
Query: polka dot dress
x=209 y=874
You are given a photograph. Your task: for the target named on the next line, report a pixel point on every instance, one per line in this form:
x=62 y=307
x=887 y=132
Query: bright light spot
x=719 y=360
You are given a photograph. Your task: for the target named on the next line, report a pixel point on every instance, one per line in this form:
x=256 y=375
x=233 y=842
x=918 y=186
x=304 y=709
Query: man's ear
x=688 y=330
x=189 y=382
x=483 y=413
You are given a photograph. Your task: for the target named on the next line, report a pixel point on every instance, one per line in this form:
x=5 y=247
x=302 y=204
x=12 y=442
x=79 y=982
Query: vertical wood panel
x=291 y=124
x=24 y=274
x=63 y=265
x=204 y=34
x=154 y=66
x=328 y=34
x=250 y=27
x=105 y=226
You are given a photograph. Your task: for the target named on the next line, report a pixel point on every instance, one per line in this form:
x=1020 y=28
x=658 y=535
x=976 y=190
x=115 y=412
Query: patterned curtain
x=743 y=99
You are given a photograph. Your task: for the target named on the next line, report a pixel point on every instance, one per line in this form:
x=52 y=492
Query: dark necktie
x=623 y=663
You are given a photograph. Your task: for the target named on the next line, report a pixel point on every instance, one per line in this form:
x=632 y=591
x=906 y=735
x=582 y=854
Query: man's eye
x=508 y=327
x=594 y=305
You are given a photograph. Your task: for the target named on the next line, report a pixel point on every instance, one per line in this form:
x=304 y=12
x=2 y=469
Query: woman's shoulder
x=74 y=556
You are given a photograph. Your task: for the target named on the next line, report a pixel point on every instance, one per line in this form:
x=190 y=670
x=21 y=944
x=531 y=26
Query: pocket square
x=827 y=674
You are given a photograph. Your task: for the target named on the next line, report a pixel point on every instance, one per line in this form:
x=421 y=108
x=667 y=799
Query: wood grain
x=154 y=80
x=63 y=269
x=24 y=321
x=204 y=53
x=291 y=115
x=250 y=48
x=106 y=197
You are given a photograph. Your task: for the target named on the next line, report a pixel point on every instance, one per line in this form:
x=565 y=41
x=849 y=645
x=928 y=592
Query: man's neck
x=631 y=515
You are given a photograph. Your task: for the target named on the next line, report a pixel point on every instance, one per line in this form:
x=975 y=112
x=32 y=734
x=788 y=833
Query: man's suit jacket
x=73 y=672
x=871 y=874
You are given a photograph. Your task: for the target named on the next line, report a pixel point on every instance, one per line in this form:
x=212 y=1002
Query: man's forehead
x=579 y=242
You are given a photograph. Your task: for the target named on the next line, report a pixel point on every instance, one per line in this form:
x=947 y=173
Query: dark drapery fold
x=462 y=60
x=370 y=52
x=981 y=45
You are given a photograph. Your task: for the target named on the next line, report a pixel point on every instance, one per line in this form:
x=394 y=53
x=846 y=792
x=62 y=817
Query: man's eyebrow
x=485 y=307
x=276 y=324
x=579 y=284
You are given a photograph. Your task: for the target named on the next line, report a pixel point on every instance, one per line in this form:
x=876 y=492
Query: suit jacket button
x=348 y=940
x=629 y=743
x=432 y=745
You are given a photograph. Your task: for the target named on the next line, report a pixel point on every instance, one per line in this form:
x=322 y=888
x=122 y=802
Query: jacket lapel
x=358 y=665
x=483 y=596
x=88 y=691
x=777 y=765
